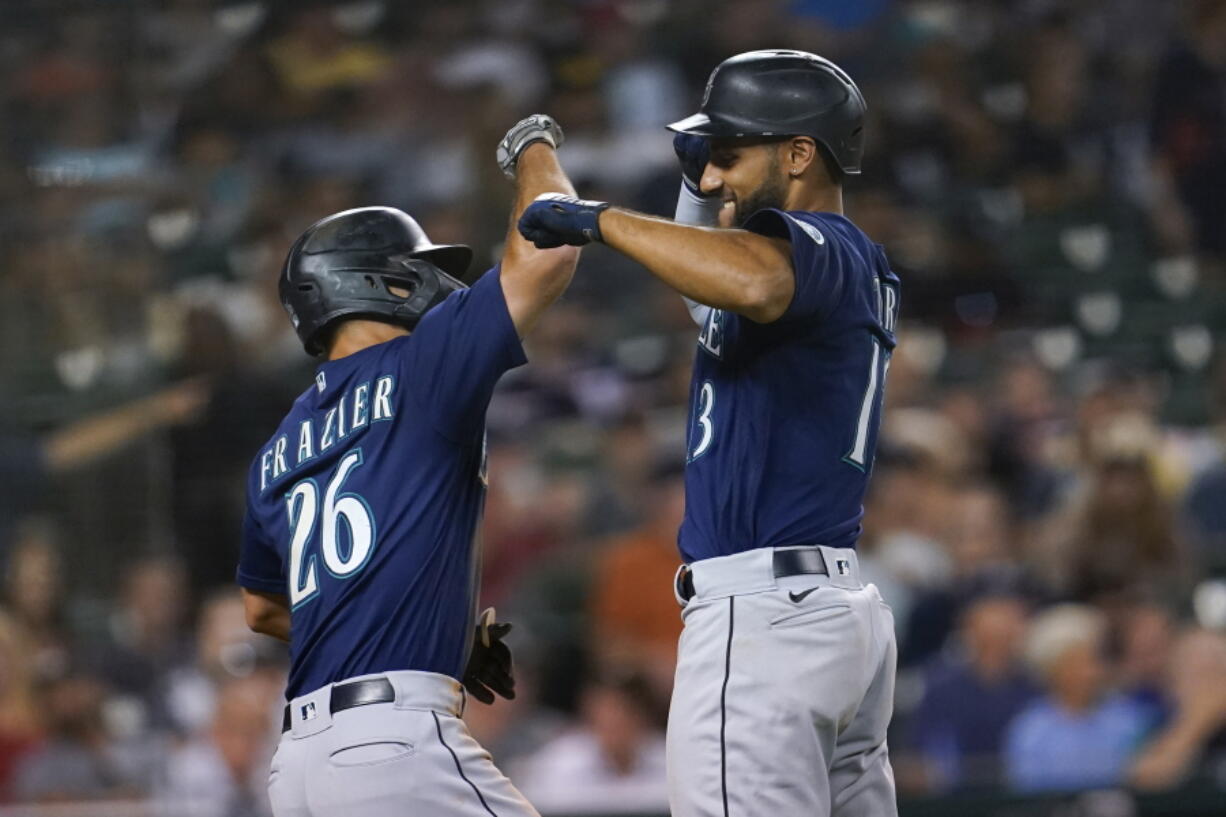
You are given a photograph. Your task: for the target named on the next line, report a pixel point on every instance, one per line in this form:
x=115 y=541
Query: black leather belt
x=347 y=696
x=790 y=562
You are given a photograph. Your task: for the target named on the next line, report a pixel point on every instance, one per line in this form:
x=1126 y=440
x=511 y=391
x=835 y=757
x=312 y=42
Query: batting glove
x=490 y=667
x=555 y=219
x=536 y=128
x=693 y=152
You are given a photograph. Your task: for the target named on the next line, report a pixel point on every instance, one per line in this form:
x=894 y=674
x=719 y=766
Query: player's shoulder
x=835 y=228
x=820 y=231
x=847 y=239
x=459 y=303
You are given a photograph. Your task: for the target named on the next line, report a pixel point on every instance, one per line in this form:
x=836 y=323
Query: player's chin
x=727 y=214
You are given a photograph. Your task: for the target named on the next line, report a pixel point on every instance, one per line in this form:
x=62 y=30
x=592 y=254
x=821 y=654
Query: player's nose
x=712 y=180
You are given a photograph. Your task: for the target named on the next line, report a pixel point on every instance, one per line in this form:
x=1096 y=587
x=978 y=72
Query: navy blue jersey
x=784 y=416
x=363 y=507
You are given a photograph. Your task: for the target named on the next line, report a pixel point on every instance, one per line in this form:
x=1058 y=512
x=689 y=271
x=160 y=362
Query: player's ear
x=799 y=153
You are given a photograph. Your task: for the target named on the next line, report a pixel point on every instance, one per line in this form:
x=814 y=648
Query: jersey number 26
x=339 y=510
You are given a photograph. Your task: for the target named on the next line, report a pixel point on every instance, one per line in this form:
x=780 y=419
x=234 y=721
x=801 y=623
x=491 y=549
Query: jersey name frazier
x=368 y=402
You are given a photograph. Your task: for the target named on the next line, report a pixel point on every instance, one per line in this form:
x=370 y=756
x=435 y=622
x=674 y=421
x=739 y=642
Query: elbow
x=562 y=260
x=553 y=269
x=257 y=621
x=263 y=615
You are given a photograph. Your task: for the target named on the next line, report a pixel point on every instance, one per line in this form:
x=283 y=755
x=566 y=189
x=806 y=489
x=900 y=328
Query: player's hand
x=554 y=219
x=490 y=667
x=693 y=152
x=536 y=128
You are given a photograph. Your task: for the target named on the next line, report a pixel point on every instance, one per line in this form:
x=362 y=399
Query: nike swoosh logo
x=799 y=597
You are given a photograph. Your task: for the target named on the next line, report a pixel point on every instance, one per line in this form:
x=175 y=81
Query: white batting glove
x=536 y=128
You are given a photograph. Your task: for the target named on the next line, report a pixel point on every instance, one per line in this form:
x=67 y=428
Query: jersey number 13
x=703 y=428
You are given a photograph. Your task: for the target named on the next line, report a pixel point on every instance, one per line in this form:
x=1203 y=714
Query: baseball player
x=785 y=674
x=358 y=545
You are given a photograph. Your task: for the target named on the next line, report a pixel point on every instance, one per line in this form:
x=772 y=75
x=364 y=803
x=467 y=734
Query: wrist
x=536 y=148
x=533 y=154
x=603 y=224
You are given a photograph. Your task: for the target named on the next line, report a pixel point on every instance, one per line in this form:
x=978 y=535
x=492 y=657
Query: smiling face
x=747 y=175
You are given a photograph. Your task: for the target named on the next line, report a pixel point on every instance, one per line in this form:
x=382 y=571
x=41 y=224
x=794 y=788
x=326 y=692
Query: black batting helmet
x=344 y=265
x=783 y=93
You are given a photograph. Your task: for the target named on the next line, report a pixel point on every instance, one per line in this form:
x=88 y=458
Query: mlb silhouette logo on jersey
x=308 y=711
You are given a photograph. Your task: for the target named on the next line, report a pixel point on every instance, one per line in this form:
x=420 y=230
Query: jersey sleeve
x=459 y=351
x=819 y=275
x=259 y=564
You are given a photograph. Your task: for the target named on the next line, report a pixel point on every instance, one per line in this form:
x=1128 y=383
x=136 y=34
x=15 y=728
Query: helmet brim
x=701 y=124
x=453 y=259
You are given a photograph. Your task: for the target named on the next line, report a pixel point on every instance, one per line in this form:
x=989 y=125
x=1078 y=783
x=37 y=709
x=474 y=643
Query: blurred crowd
x=1047 y=515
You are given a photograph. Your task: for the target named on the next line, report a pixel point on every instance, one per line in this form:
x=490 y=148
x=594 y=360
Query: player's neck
x=825 y=199
x=356 y=335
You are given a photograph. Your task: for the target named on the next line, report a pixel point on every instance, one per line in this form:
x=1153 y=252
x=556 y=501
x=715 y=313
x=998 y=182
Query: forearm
x=1166 y=759
x=534 y=278
x=537 y=172
x=85 y=441
x=735 y=270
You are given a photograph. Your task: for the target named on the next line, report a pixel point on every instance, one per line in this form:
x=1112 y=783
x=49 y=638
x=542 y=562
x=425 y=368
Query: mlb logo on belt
x=843 y=566
x=308 y=712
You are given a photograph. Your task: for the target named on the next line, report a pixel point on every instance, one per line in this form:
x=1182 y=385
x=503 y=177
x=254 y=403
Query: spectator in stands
x=612 y=762
x=634 y=613
x=27 y=462
x=971 y=693
x=221 y=773
x=621 y=484
x=1079 y=734
x=1145 y=634
x=225 y=650
x=981 y=550
x=906 y=511
x=20 y=724
x=146 y=637
x=34 y=593
x=1116 y=535
x=1198 y=726
x=77 y=761
x=1203 y=514
x=1125 y=534
x=1189 y=120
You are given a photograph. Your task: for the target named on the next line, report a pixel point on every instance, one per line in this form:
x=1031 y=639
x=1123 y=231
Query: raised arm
x=533 y=278
x=737 y=270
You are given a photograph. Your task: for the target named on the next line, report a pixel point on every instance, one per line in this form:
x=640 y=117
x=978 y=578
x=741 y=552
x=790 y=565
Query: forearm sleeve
x=701 y=211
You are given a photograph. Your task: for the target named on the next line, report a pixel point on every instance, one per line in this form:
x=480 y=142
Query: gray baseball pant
x=783 y=693
x=413 y=756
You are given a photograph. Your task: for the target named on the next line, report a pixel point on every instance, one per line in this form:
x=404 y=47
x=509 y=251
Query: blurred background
x=1048 y=511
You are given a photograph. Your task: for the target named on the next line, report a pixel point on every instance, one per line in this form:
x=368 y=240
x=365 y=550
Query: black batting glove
x=490 y=669
x=693 y=153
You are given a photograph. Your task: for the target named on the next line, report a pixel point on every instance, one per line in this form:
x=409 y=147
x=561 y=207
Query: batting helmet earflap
x=344 y=266
x=782 y=92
